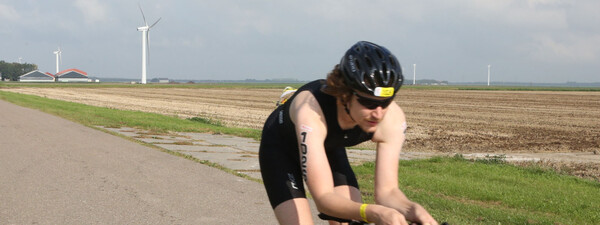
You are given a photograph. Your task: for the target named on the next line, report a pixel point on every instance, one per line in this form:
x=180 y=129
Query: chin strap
x=348 y=111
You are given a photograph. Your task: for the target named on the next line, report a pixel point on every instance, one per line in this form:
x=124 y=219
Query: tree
x=12 y=71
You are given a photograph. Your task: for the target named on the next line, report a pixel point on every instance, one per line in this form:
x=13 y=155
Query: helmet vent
x=369 y=63
x=384 y=76
x=392 y=62
x=379 y=53
x=377 y=79
x=369 y=81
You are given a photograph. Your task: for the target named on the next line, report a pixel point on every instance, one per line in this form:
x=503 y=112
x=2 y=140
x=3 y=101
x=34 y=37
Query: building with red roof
x=72 y=75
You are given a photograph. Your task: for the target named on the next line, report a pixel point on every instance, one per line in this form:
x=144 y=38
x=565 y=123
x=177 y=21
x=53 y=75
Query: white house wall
x=36 y=80
x=74 y=80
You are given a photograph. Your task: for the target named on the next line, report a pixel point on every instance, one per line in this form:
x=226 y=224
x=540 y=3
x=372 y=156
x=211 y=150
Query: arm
x=390 y=136
x=311 y=130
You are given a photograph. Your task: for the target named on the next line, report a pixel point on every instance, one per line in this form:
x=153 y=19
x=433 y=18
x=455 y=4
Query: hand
x=418 y=214
x=387 y=216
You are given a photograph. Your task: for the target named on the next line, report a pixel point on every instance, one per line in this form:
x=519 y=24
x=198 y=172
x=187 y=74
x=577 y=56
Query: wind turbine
x=58 y=54
x=145 y=46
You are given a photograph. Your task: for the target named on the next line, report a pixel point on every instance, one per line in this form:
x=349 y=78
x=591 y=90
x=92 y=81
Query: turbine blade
x=140 y=6
x=155 y=23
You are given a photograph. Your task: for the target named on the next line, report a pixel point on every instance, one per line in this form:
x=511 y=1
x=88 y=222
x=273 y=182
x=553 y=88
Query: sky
x=540 y=41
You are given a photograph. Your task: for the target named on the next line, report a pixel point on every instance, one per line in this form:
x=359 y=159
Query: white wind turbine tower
x=489 y=68
x=414 y=74
x=58 y=54
x=145 y=29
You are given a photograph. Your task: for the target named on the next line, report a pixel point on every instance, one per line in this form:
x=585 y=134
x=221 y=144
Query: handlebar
x=324 y=216
x=354 y=222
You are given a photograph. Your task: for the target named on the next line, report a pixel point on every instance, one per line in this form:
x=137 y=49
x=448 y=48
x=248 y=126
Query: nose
x=377 y=113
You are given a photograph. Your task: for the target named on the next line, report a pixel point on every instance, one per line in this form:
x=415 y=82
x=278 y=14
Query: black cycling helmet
x=372 y=69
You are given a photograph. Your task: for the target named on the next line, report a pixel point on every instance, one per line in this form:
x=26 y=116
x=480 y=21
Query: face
x=368 y=111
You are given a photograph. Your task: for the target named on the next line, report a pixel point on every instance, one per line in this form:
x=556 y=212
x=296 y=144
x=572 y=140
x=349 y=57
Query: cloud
x=572 y=49
x=190 y=42
x=92 y=10
x=363 y=14
x=262 y=19
x=9 y=13
x=249 y=19
x=532 y=14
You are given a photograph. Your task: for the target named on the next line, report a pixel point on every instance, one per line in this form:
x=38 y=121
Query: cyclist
x=305 y=139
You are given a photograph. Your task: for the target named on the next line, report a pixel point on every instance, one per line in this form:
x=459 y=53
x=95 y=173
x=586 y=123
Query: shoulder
x=392 y=126
x=305 y=105
x=305 y=112
x=304 y=99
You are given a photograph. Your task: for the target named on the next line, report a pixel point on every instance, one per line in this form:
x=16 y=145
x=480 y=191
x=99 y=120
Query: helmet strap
x=348 y=111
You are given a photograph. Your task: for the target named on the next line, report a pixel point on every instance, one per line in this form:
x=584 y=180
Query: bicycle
x=354 y=222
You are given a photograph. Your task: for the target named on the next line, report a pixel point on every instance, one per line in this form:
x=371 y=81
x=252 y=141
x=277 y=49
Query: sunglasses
x=370 y=103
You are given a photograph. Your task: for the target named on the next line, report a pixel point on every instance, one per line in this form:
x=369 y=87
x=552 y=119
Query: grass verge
x=99 y=116
x=152 y=85
x=460 y=191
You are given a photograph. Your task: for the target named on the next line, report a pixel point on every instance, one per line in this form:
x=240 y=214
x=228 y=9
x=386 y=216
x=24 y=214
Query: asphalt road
x=53 y=171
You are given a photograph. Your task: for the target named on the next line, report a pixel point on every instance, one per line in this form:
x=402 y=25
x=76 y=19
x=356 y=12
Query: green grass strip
x=152 y=85
x=465 y=192
x=100 y=116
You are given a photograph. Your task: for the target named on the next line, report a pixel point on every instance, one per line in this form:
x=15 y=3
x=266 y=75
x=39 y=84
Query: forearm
x=339 y=206
x=372 y=213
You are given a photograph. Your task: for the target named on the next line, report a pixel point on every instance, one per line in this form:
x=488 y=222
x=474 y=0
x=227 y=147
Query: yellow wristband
x=363 y=212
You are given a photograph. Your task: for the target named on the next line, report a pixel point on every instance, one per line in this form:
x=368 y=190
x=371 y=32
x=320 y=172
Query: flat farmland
x=445 y=121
